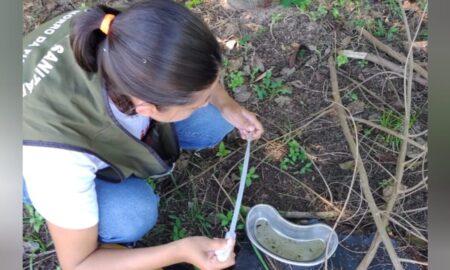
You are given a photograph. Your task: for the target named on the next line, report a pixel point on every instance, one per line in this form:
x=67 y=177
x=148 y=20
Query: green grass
x=390 y=120
x=178 y=232
x=33 y=218
x=197 y=217
x=302 y=5
x=319 y=13
x=391 y=33
x=243 y=41
x=275 y=17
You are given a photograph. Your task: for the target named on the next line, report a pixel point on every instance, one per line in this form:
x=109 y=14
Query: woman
x=109 y=99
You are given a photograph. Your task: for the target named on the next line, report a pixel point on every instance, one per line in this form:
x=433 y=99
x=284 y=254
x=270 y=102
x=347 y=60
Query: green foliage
x=341 y=60
x=389 y=120
x=270 y=88
x=335 y=12
x=352 y=96
x=380 y=31
x=251 y=175
x=320 y=13
x=193 y=3
x=35 y=220
x=243 y=41
x=275 y=17
x=296 y=155
x=235 y=80
x=391 y=33
x=394 y=7
x=196 y=215
x=225 y=219
x=300 y=4
x=225 y=62
x=363 y=63
x=151 y=183
x=223 y=151
x=301 y=53
x=386 y=183
x=253 y=74
x=178 y=232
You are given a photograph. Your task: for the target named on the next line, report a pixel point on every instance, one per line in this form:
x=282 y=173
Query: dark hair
x=156 y=50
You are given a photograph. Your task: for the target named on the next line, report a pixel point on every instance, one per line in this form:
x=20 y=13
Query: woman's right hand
x=199 y=251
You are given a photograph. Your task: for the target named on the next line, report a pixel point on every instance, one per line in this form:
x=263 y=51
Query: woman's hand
x=244 y=120
x=199 y=251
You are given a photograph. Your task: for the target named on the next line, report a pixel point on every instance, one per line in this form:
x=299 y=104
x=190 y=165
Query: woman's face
x=177 y=112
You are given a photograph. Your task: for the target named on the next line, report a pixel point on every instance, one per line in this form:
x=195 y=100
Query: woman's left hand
x=244 y=120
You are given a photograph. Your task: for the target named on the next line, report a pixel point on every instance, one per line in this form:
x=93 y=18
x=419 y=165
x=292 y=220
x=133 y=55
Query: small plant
x=296 y=154
x=196 y=215
x=393 y=122
x=363 y=63
x=301 y=53
x=151 y=183
x=225 y=63
x=243 y=41
x=341 y=60
x=393 y=5
x=236 y=79
x=391 y=33
x=321 y=12
x=307 y=168
x=335 y=12
x=178 y=232
x=251 y=175
x=270 y=87
x=35 y=219
x=253 y=74
x=386 y=183
x=379 y=28
x=193 y=3
x=302 y=5
x=223 y=151
x=225 y=219
x=352 y=96
x=275 y=17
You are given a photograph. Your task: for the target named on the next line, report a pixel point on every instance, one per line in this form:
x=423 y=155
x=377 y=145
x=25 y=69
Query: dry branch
x=364 y=180
x=396 y=55
x=328 y=215
x=380 y=61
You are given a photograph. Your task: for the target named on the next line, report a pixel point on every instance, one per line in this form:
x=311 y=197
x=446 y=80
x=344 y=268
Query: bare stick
x=391 y=52
x=380 y=61
x=364 y=180
x=328 y=215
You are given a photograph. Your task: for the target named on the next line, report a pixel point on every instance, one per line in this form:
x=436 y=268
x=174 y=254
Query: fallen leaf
x=235 y=64
x=293 y=56
x=348 y=165
x=287 y=71
x=257 y=62
x=230 y=44
x=356 y=107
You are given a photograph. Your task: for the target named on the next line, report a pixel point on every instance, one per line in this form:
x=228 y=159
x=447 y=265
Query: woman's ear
x=144 y=108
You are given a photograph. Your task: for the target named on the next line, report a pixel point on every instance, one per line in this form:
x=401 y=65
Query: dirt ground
x=295 y=45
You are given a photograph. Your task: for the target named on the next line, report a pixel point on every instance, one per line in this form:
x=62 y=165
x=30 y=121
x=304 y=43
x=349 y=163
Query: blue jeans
x=128 y=210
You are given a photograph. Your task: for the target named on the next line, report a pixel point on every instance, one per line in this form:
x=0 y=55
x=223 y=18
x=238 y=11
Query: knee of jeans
x=200 y=140
x=131 y=224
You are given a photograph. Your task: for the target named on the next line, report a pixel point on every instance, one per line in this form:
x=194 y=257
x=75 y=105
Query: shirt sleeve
x=61 y=186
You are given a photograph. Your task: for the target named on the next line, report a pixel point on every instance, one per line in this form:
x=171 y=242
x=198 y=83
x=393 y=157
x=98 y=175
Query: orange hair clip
x=106 y=23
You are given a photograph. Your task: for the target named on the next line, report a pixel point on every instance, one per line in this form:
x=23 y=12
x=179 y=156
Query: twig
x=328 y=215
x=391 y=132
x=364 y=181
x=380 y=61
x=396 y=55
x=413 y=261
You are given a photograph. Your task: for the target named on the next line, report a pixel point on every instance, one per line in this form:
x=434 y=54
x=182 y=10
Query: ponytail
x=86 y=36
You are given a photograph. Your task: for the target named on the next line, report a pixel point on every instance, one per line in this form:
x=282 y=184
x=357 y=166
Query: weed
x=193 y=3
x=359 y=23
x=243 y=41
x=379 y=28
x=302 y=5
x=236 y=79
x=391 y=33
x=341 y=60
x=393 y=5
x=225 y=219
x=35 y=219
x=225 y=63
x=151 y=183
x=363 y=63
x=251 y=175
x=386 y=183
x=307 y=168
x=335 y=12
x=319 y=13
x=352 y=96
x=196 y=215
x=393 y=122
x=253 y=74
x=276 y=17
x=270 y=87
x=223 y=151
x=423 y=34
x=301 y=53
x=178 y=232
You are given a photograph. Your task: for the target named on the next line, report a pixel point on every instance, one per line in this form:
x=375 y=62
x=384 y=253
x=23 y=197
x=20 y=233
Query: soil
x=276 y=46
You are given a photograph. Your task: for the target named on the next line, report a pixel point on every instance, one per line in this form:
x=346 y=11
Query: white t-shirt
x=60 y=182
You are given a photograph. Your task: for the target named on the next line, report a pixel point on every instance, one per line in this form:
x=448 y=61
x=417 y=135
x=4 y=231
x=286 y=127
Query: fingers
x=216 y=264
x=253 y=129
